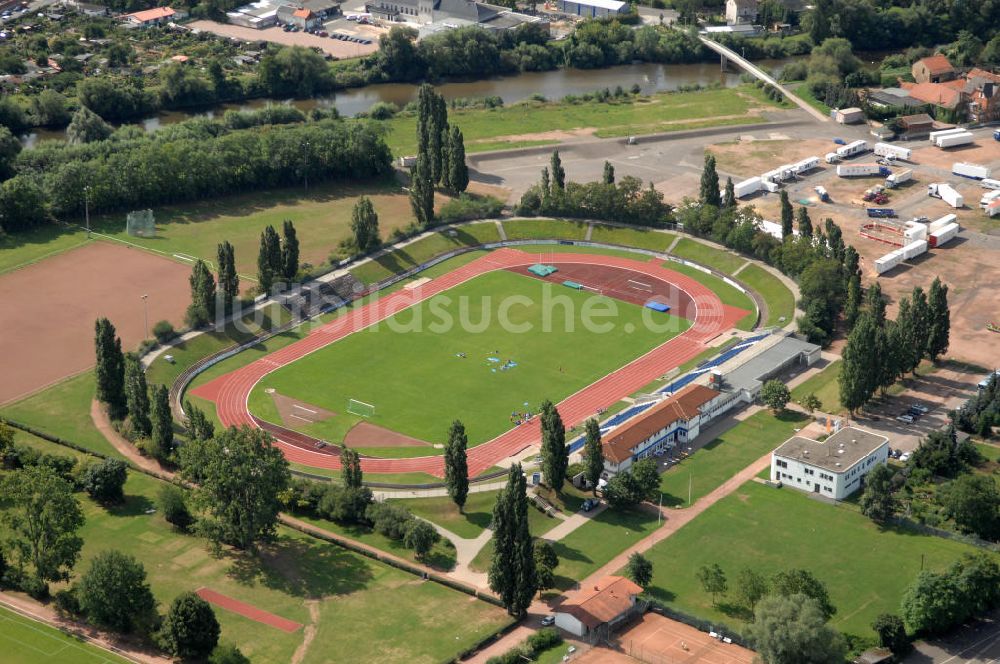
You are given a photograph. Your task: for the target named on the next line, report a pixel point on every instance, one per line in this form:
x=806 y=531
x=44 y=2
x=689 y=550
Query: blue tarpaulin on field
x=542 y=270
x=658 y=306
x=573 y=284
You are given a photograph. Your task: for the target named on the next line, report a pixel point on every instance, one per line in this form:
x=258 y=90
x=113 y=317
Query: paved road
x=978 y=643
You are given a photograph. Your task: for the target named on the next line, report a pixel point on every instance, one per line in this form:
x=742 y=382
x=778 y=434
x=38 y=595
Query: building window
x=781 y=464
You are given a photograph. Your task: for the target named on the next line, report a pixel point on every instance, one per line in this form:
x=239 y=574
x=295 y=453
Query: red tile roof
x=936 y=64
x=975 y=72
x=302 y=13
x=936 y=93
x=682 y=406
x=604 y=601
x=152 y=14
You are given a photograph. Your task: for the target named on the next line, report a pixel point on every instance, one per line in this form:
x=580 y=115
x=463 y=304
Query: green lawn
x=633 y=237
x=321 y=214
x=545 y=229
x=488 y=129
x=726 y=293
x=599 y=540
x=780 y=301
x=25 y=641
x=709 y=467
x=422 y=250
x=396 y=372
x=864 y=567
x=825 y=386
x=442 y=510
x=802 y=91
x=539 y=523
x=721 y=260
x=20 y=249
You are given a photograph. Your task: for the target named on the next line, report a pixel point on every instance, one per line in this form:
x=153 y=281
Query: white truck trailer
x=946 y=193
x=972 y=171
x=851 y=149
x=806 y=165
x=914 y=232
x=987 y=183
x=832 y=158
x=914 y=249
x=988 y=198
x=889 y=261
x=994 y=209
x=893 y=151
x=858 y=170
x=747 y=187
x=941 y=223
x=943 y=235
x=898 y=178
x=934 y=135
x=954 y=140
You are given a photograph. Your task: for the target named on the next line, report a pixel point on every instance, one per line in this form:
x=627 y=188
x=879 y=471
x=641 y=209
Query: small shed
x=851 y=115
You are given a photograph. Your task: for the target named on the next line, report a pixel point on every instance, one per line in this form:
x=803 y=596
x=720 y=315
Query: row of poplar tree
x=440 y=155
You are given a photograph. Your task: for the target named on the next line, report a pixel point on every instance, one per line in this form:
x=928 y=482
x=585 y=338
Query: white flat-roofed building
x=593 y=8
x=834 y=468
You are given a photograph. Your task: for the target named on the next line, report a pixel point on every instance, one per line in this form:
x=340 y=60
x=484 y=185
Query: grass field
x=826 y=388
x=551 y=364
x=469 y=524
x=633 y=237
x=721 y=260
x=710 y=466
x=726 y=293
x=21 y=249
x=489 y=129
x=321 y=214
x=780 y=301
x=545 y=229
x=599 y=540
x=864 y=567
x=26 y=641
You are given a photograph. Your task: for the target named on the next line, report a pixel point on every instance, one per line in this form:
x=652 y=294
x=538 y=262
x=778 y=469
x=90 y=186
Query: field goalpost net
x=355 y=407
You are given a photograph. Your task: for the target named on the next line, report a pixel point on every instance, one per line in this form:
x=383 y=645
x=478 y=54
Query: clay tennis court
x=47 y=330
x=659 y=640
x=247 y=610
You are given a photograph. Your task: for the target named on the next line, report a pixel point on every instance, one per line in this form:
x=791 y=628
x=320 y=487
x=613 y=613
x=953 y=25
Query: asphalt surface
x=978 y=643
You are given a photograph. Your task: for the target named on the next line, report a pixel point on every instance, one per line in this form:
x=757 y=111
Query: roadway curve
x=231 y=391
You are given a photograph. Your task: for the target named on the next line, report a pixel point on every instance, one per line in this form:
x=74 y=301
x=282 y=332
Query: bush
x=164 y=331
x=545 y=638
x=35 y=588
x=467 y=207
x=190 y=629
x=227 y=654
x=114 y=593
x=67 y=602
x=382 y=110
x=105 y=480
x=174 y=507
x=389 y=519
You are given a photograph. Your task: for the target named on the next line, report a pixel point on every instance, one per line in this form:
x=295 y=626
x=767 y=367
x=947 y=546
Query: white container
x=945 y=132
x=771 y=186
x=946 y=193
x=851 y=149
x=832 y=157
x=747 y=187
x=806 y=165
x=943 y=235
x=941 y=223
x=914 y=232
x=989 y=184
x=889 y=261
x=855 y=170
x=994 y=209
x=954 y=140
x=894 y=151
x=898 y=178
x=967 y=170
x=914 y=249
x=772 y=176
x=985 y=201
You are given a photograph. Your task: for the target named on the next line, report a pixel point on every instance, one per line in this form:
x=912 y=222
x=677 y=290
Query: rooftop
x=683 y=405
x=613 y=5
x=936 y=64
x=935 y=93
x=152 y=14
x=748 y=375
x=837 y=453
x=604 y=601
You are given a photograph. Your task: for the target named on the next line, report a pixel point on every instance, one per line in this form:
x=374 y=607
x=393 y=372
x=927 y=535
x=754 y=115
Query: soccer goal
x=355 y=407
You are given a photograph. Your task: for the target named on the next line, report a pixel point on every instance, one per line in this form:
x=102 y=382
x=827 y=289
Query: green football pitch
x=25 y=641
x=420 y=381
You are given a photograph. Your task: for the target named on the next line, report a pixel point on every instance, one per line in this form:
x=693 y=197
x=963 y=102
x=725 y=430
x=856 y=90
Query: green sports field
x=418 y=383
x=25 y=641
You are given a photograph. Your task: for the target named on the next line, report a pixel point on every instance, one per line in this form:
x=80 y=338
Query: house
x=887 y=98
x=835 y=467
x=741 y=11
x=593 y=8
x=672 y=422
x=933 y=69
x=447 y=13
x=151 y=17
x=594 y=611
x=938 y=94
x=917 y=125
x=848 y=115
x=982 y=88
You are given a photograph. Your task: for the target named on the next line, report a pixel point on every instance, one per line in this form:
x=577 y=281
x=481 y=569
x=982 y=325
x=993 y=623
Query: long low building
x=834 y=468
x=594 y=8
x=595 y=611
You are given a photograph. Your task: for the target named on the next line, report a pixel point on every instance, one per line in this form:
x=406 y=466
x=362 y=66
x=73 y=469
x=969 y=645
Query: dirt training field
x=47 y=330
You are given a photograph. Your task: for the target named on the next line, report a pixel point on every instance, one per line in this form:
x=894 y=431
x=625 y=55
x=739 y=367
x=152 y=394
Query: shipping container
x=985 y=201
x=914 y=232
x=941 y=223
x=914 y=249
x=954 y=140
x=832 y=157
x=881 y=213
x=855 y=170
x=945 y=132
x=943 y=235
x=889 y=261
x=772 y=176
x=974 y=171
x=946 y=193
x=747 y=187
x=894 y=151
x=771 y=186
x=987 y=183
x=898 y=178
x=851 y=149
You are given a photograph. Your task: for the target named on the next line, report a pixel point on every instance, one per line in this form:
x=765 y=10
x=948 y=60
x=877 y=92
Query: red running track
x=231 y=391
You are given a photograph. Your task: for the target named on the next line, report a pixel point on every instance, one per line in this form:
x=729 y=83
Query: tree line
x=440 y=156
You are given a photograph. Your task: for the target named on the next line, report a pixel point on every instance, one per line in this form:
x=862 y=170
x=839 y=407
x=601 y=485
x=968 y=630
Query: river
x=554 y=84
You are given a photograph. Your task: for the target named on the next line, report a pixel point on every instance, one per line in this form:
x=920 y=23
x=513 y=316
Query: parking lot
x=337 y=48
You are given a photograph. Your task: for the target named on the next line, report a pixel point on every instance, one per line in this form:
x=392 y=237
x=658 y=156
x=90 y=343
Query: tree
x=137 y=396
x=87 y=127
x=199 y=426
x=713 y=581
x=229 y=279
x=804 y=222
x=729 y=197
x=647 y=479
x=775 y=395
x=512 y=570
x=875 y=303
x=190 y=629
x=939 y=327
x=978 y=578
x=241 y=475
x=458 y=170
x=751 y=587
x=787 y=216
x=293 y=71
x=42 y=517
x=161 y=442
x=110 y=368
x=909 y=355
x=555 y=455
x=811 y=402
x=546 y=562
x=793 y=630
x=23 y=204
x=289 y=251
x=173 y=506
x=227 y=653
x=859 y=368
x=456 y=466
x=558 y=172
x=934 y=603
x=114 y=593
x=593 y=454
x=891 y=633
x=10 y=147
x=877 y=501
x=852 y=303
x=921 y=323
x=105 y=480
x=269 y=264
x=609 y=173
x=639 y=570
x=709 y=192
x=973 y=501
x=422 y=192
x=364 y=224
x=350 y=468
x=799 y=581
x=202 y=307
x=421 y=537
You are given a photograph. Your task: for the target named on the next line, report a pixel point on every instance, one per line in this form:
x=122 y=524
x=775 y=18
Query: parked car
x=923 y=410
x=905 y=457
x=588 y=504
x=548 y=620
x=905 y=419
